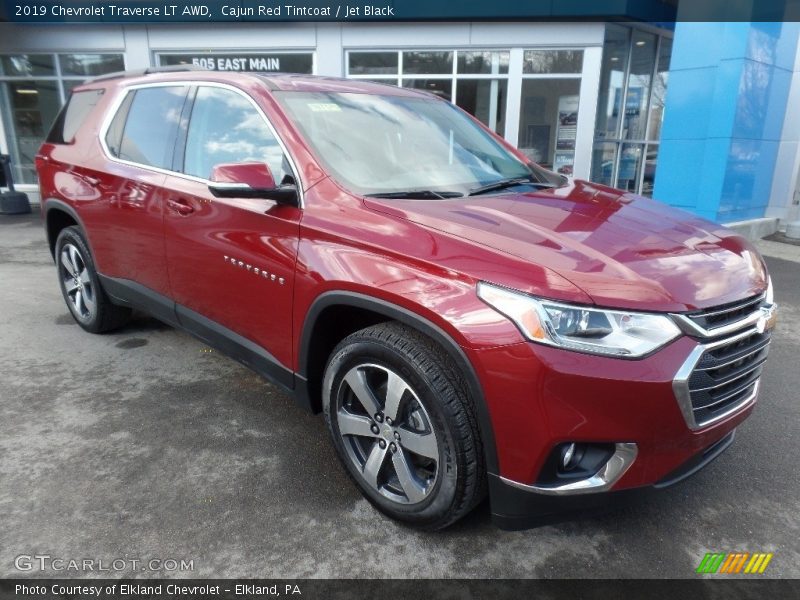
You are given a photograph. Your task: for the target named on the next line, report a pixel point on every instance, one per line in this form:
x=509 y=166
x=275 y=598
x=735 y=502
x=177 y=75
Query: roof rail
x=147 y=71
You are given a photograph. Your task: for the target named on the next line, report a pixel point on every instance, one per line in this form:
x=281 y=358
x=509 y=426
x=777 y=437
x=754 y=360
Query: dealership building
x=704 y=116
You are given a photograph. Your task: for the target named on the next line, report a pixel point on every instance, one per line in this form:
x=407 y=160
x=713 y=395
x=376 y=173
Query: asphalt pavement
x=146 y=444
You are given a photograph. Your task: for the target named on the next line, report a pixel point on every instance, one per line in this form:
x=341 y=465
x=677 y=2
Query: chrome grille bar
x=733 y=360
x=714 y=313
x=732 y=379
x=741 y=347
x=727 y=396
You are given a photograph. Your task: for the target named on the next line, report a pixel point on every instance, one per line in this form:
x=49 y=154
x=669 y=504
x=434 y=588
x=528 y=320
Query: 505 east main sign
x=295 y=62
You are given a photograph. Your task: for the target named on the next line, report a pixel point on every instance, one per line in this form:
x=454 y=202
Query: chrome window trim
x=230 y=185
x=123 y=93
x=611 y=472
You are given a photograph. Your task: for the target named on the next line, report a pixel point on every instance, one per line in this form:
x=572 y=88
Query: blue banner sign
x=150 y=11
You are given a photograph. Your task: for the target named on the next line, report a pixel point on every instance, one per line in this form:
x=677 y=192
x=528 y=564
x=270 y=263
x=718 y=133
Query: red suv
x=468 y=322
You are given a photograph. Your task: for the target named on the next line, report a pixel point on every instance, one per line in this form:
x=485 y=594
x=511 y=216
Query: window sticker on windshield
x=324 y=107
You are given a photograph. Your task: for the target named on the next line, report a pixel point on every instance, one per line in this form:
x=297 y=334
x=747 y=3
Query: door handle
x=180 y=206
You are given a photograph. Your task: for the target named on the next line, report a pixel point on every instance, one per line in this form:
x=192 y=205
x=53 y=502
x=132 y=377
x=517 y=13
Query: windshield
x=393 y=144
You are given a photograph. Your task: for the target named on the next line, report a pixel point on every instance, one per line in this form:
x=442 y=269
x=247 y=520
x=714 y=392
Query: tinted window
x=153 y=118
x=72 y=116
x=226 y=128
x=114 y=133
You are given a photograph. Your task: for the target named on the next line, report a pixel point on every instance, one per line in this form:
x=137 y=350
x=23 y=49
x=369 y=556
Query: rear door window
x=151 y=126
x=72 y=116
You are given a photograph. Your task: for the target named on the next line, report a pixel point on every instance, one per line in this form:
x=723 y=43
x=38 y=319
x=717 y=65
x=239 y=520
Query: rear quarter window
x=115 y=130
x=73 y=115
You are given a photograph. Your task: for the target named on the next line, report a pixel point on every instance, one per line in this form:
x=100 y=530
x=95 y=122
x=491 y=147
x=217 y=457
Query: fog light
x=574 y=460
x=566 y=457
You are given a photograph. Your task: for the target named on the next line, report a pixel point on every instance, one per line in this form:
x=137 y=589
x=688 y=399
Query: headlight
x=599 y=331
x=770 y=297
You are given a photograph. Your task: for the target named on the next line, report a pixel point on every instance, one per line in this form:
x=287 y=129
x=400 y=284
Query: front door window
x=226 y=128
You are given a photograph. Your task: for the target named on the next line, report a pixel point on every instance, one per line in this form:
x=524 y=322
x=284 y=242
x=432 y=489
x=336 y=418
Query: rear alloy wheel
x=404 y=426
x=80 y=285
x=76 y=282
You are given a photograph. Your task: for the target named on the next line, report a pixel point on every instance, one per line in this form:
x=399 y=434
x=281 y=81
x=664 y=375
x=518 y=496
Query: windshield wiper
x=507 y=183
x=416 y=194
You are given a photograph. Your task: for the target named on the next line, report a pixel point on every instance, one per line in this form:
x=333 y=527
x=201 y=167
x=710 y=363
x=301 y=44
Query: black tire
x=433 y=403
x=80 y=285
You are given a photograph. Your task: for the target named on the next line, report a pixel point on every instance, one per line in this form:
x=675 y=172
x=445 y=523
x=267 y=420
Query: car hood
x=624 y=251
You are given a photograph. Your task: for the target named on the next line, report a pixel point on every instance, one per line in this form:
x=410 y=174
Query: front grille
x=722 y=374
x=726 y=375
x=726 y=314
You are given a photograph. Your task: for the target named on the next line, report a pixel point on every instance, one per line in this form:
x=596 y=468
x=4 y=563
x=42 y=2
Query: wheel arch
x=316 y=343
x=57 y=216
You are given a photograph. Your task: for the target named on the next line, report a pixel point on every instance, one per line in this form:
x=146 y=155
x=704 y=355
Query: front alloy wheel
x=404 y=425
x=387 y=433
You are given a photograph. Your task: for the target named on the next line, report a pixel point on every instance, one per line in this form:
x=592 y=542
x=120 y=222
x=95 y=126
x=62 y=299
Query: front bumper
x=539 y=397
x=515 y=508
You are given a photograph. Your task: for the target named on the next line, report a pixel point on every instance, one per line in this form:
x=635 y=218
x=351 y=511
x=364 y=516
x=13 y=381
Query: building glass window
x=483 y=63
x=548 y=118
x=427 y=63
x=28 y=65
x=640 y=77
x=475 y=80
x=604 y=156
x=485 y=99
x=633 y=86
x=373 y=63
x=441 y=87
x=548 y=122
x=649 y=173
x=612 y=79
x=659 y=91
x=630 y=164
x=552 y=61
x=90 y=65
x=33 y=88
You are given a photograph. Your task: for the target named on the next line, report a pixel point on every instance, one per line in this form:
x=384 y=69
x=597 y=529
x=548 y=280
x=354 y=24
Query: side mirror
x=249 y=180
